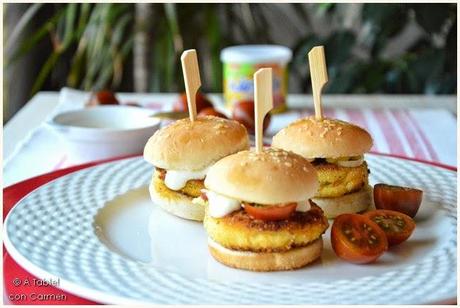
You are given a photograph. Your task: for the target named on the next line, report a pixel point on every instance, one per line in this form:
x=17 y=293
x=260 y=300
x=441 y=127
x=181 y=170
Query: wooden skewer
x=192 y=79
x=318 y=73
x=263 y=102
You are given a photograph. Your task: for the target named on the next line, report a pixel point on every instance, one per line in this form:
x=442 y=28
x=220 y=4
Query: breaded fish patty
x=336 y=181
x=238 y=231
x=192 y=188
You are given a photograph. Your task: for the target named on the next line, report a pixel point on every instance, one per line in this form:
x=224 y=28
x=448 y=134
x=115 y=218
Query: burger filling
x=340 y=176
x=239 y=231
x=189 y=183
x=220 y=206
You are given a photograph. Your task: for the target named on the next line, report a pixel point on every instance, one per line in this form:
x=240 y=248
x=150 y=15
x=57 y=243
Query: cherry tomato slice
x=397 y=226
x=402 y=199
x=275 y=212
x=211 y=111
x=357 y=239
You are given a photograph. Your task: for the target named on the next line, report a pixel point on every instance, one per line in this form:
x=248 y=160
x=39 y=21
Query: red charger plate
x=11 y=270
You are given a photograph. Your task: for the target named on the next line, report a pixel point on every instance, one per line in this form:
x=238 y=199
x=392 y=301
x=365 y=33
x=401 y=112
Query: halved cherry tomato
x=397 y=226
x=357 y=239
x=211 y=111
x=271 y=212
x=402 y=199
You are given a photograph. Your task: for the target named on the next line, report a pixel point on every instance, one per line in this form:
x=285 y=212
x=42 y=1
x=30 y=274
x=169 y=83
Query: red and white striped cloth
x=424 y=134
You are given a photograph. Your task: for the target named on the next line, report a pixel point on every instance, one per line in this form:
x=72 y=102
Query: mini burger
x=182 y=153
x=258 y=216
x=335 y=148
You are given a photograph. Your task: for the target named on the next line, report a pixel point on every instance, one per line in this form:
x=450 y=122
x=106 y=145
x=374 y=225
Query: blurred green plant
x=93 y=45
x=428 y=66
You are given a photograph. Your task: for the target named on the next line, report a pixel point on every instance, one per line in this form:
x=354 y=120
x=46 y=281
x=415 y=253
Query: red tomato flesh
x=357 y=239
x=271 y=212
x=397 y=226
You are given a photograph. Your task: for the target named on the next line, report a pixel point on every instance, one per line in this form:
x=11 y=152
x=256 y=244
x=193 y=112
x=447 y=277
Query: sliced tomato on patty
x=270 y=212
x=397 y=226
x=357 y=239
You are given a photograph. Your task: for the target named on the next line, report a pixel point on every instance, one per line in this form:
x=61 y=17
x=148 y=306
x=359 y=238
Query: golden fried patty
x=336 y=181
x=238 y=231
x=191 y=190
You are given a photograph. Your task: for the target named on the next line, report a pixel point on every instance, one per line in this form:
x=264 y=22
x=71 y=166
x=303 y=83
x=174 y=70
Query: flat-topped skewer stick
x=192 y=79
x=318 y=74
x=263 y=102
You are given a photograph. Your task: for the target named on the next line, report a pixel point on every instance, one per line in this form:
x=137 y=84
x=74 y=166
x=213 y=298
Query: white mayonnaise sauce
x=303 y=206
x=220 y=206
x=351 y=163
x=176 y=180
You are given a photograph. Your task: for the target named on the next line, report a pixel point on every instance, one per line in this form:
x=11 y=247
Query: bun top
x=189 y=146
x=271 y=177
x=323 y=138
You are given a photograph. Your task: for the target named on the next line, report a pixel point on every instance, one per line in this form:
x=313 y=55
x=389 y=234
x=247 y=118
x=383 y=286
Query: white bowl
x=104 y=131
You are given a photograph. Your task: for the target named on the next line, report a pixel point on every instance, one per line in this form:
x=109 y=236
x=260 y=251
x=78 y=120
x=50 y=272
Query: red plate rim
x=38 y=181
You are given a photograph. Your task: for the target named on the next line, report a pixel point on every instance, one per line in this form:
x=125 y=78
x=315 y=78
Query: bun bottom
x=267 y=261
x=176 y=203
x=350 y=203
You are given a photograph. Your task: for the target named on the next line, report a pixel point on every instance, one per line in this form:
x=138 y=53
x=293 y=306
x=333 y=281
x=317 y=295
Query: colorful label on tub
x=239 y=84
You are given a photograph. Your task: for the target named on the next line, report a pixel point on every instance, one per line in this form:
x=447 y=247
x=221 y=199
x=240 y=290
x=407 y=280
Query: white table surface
x=41 y=105
x=32 y=115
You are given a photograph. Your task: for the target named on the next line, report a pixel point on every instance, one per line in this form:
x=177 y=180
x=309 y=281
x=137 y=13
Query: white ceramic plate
x=98 y=232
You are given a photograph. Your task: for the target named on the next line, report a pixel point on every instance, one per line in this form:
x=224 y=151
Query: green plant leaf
x=171 y=17
x=21 y=24
x=214 y=37
x=45 y=71
x=431 y=16
x=31 y=42
x=69 y=30
x=386 y=21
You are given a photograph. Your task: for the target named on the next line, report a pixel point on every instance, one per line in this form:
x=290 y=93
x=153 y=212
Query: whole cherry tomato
x=243 y=112
x=402 y=199
x=211 y=111
x=357 y=239
x=270 y=212
x=397 y=226
x=202 y=102
x=103 y=97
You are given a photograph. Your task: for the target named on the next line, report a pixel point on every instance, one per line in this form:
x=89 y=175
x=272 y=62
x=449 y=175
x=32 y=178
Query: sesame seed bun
x=188 y=146
x=323 y=138
x=267 y=261
x=271 y=177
